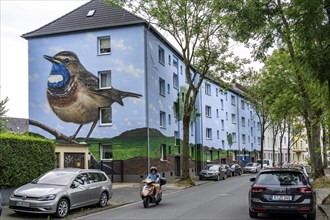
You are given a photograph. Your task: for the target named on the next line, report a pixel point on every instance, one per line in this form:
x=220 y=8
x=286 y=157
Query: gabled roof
x=104 y=16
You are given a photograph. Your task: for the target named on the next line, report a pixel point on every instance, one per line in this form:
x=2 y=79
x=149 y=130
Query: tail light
x=305 y=189
x=258 y=189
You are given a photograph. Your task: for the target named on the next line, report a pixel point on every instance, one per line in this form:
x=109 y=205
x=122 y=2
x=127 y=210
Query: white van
x=267 y=162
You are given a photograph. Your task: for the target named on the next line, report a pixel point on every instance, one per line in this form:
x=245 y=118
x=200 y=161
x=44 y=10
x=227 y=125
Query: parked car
x=236 y=169
x=266 y=163
x=228 y=170
x=282 y=190
x=252 y=168
x=213 y=171
x=61 y=190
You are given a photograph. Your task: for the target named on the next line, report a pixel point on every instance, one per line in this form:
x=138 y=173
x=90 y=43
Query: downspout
x=238 y=132
x=146 y=92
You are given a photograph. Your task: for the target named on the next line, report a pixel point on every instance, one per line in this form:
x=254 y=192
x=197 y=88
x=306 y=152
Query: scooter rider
x=155 y=177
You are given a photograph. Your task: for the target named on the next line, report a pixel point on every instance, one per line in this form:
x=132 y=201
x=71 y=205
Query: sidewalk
x=323 y=198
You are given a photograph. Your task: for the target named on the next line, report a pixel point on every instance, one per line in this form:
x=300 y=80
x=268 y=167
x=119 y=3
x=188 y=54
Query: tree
x=199 y=30
x=3 y=118
x=277 y=23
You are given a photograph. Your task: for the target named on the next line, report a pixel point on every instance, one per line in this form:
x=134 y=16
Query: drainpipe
x=146 y=92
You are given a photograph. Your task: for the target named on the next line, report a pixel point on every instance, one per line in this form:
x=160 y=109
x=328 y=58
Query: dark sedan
x=281 y=190
x=213 y=171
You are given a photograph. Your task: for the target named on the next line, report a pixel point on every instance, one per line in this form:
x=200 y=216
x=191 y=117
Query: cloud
x=127 y=68
x=120 y=45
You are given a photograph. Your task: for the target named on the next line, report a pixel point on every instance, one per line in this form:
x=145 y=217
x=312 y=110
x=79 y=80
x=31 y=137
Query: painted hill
x=140 y=132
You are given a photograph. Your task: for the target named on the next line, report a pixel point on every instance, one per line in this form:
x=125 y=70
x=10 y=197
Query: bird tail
x=129 y=94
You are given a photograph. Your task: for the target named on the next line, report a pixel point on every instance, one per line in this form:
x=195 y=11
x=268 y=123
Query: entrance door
x=178 y=166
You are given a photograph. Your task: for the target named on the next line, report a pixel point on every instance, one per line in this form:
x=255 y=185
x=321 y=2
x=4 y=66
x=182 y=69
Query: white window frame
x=233 y=101
x=233 y=118
x=207 y=88
x=101 y=111
x=108 y=74
x=243 y=121
x=163 y=153
x=102 y=152
x=162 y=119
x=161 y=55
x=162 y=87
x=99 y=39
x=208 y=133
x=175 y=81
x=208 y=111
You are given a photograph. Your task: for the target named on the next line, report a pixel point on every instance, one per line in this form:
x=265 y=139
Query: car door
x=95 y=186
x=79 y=191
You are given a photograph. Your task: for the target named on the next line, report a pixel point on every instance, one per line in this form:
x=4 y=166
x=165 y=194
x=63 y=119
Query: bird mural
x=73 y=92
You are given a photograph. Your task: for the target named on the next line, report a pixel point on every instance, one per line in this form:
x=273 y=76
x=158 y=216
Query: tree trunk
x=185 y=150
x=315 y=150
x=325 y=146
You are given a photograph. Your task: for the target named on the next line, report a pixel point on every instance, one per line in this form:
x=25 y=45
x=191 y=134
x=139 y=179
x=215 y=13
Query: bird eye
x=66 y=60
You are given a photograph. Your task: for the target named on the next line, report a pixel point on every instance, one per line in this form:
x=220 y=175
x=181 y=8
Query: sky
x=17 y=18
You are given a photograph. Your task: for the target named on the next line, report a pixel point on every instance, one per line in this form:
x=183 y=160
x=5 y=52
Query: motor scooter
x=148 y=192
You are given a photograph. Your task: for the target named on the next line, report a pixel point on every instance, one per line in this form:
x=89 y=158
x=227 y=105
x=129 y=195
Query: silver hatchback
x=60 y=190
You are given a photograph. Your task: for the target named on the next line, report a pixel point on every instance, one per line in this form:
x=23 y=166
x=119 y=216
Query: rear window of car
x=281 y=178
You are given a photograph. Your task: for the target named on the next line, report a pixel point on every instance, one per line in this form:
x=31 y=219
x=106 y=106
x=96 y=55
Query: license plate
x=23 y=204
x=206 y=175
x=281 y=198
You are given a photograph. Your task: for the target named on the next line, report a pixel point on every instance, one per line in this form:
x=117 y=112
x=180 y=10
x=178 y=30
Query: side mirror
x=74 y=185
x=252 y=179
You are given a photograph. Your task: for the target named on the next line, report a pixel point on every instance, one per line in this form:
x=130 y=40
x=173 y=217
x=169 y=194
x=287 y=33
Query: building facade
x=105 y=74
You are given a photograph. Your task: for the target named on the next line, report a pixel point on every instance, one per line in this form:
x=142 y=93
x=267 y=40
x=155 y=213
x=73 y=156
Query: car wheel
x=253 y=214
x=146 y=202
x=239 y=173
x=311 y=216
x=62 y=208
x=200 y=178
x=103 y=199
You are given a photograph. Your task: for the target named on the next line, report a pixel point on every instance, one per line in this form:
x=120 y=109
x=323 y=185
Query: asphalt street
x=215 y=200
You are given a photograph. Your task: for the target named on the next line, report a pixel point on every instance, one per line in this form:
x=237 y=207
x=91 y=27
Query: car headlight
x=47 y=197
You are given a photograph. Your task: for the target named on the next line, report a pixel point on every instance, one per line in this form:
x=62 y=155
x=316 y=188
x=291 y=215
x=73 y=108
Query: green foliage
x=24 y=158
x=230 y=140
x=3 y=118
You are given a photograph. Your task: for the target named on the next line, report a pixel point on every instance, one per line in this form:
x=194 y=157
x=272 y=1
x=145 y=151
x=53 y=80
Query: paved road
x=215 y=200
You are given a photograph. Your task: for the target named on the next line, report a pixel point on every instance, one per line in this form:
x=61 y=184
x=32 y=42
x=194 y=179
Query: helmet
x=153 y=168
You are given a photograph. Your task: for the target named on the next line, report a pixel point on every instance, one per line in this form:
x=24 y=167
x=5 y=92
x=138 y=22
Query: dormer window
x=90 y=13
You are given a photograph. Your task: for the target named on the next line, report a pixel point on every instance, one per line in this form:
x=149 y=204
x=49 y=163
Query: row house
x=105 y=74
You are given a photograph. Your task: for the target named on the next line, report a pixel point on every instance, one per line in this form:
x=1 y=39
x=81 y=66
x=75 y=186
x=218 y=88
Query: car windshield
x=55 y=178
x=211 y=168
x=281 y=178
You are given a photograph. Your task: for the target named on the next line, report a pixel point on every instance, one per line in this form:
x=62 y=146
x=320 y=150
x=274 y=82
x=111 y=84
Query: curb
x=325 y=210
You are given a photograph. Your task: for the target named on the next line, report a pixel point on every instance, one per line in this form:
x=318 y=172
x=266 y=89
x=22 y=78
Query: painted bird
x=73 y=92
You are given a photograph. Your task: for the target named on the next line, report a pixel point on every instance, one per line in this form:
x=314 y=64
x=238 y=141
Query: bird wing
x=91 y=82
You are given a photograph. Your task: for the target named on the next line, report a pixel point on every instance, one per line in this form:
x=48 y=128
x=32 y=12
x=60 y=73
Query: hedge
x=23 y=158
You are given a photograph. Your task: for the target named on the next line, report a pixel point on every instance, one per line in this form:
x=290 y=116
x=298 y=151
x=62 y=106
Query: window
x=233 y=100
x=243 y=138
x=169 y=60
x=259 y=140
x=181 y=72
x=234 y=137
x=233 y=118
x=218 y=134
x=207 y=89
x=161 y=55
x=223 y=144
x=301 y=144
x=106 y=152
x=175 y=81
x=163 y=153
x=258 y=126
x=243 y=121
x=208 y=133
x=242 y=104
x=251 y=131
x=221 y=103
x=104 y=45
x=226 y=115
x=176 y=109
x=222 y=124
x=162 y=119
x=175 y=62
x=105 y=116
x=208 y=111
x=216 y=92
x=168 y=88
x=217 y=113
x=169 y=119
x=104 y=79
x=208 y=156
x=161 y=87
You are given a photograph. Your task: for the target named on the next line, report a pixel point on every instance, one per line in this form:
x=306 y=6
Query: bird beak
x=51 y=59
